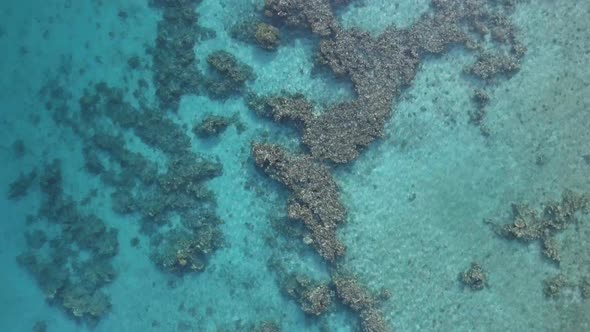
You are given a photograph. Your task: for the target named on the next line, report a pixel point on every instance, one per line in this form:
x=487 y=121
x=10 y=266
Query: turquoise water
x=120 y=215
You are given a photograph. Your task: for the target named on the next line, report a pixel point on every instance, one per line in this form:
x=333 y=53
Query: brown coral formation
x=155 y=193
x=229 y=75
x=357 y=298
x=267 y=36
x=211 y=126
x=186 y=250
x=474 y=277
x=316 y=15
x=552 y=286
x=255 y=31
x=314 y=198
x=68 y=278
x=313 y=297
x=283 y=108
x=488 y=65
x=380 y=67
x=528 y=225
x=175 y=71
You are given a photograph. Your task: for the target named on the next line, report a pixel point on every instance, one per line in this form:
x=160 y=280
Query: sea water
x=421 y=201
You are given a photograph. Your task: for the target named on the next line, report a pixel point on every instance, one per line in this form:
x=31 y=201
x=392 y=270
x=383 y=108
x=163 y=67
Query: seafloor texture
x=295 y=165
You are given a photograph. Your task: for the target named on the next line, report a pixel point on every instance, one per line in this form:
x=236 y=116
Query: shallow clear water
x=423 y=200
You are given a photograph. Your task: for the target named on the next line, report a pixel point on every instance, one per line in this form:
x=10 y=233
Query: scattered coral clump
x=156 y=193
x=552 y=286
x=254 y=31
x=314 y=15
x=211 y=126
x=229 y=75
x=475 y=277
x=186 y=250
x=267 y=36
x=528 y=225
x=269 y=326
x=73 y=266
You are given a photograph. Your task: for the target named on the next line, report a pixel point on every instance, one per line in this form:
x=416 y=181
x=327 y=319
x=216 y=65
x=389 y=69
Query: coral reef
x=35 y=239
x=151 y=126
x=77 y=263
x=477 y=116
x=269 y=326
x=380 y=67
x=229 y=75
x=18 y=148
x=283 y=108
x=351 y=293
x=40 y=326
x=186 y=251
x=20 y=186
x=313 y=297
x=314 y=198
x=474 y=277
x=552 y=286
x=134 y=164
x=354 y=296
x=267 y=36
x=174 y=61
x=264 y=35
x=134 y=62
x=181 y=191
x=376 y=68
x=315 y=15
x=528 y=225
x=211 y=125
x=489 y=65
x=155 y=193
